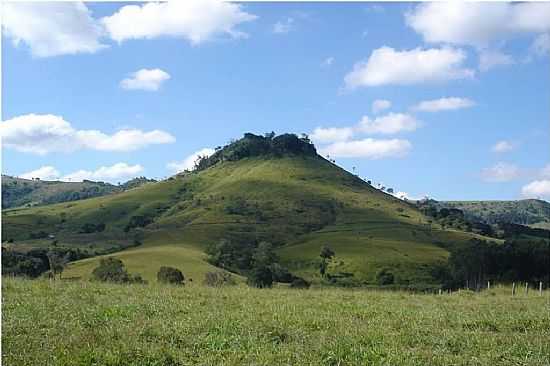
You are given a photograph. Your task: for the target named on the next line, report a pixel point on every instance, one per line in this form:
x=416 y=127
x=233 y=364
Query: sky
x=446 y=100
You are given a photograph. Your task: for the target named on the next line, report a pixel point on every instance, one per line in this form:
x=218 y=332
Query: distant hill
x=531 y=212
x=259 y=188
x=17 y=192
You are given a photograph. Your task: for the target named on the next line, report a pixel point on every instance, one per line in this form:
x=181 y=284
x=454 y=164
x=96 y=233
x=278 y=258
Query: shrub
x=384 y=277
x=299 y=283
x=218 y=279
x=170 y=275
x=113 y=270
x=260 y=277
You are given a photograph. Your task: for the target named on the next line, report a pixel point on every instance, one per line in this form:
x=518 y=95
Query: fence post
x=540 y=288
x=526 y=288
x=513 y=288
x=440 y=291
x=488 y=285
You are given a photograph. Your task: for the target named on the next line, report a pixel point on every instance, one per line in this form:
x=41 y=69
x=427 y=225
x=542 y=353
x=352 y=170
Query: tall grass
x=85 y=323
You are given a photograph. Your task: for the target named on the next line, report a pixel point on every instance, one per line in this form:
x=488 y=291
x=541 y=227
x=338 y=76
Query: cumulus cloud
x=477 y=23
x=443 y=104
x=194 y=20
x=327 y=62
x=368 y=148
x=500 y=172
x=502 y=146
x=43 y=173
x=379 y=105
x=389 y=124
x=145 y=79
x=331 y=134
x=189 y=162
x=42 y=134
x=105 y=173
x=541 y=45
x=52 y=28
x=283 y=26
x=489 y=59
x=537 y=189
x=387 y=66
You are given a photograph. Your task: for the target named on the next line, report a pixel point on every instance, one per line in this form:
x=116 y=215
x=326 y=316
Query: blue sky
x=212 y=71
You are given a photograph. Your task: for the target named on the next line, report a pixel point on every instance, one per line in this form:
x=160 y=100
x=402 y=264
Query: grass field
x=85 y=323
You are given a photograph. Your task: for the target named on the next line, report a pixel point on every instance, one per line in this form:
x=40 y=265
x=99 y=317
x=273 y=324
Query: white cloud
x=42 y=134
x=537 y=189
x=189 y=162
x=283 y=26
x=52 y=28
x=145 y=79
x=379 y=105
x=105 y=173
x=389 y=124
x=194 y=20
x=327 y=62
x=443 y=104
x=500 y=172
x=545 y=172
x=387 y=66
x=332 y=134
x=44 y=173
x=368 y=148
x=503 y=146
x=477 y=23
x=489 y=59
x=541 y=45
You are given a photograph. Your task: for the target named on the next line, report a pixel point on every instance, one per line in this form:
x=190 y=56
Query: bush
x=113 y=270
x=384 y=277
x=299 y=283
x=218 y=279
x=260 y=277
x=170 y=275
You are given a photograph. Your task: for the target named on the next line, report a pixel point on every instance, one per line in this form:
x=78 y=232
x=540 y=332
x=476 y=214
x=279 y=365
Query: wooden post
x=513 y=288
x=488 y=285
x=540 y=288
x=526 y=288
x=440 y=291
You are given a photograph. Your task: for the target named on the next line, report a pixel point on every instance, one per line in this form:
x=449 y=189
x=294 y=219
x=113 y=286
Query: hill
x=531 y=212
x=274 y=189
x=17 y=192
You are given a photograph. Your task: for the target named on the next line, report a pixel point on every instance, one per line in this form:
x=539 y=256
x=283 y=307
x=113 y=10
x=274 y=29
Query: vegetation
x=82 y=323
x=218 y=279
x=113 y=270
x=170 y=275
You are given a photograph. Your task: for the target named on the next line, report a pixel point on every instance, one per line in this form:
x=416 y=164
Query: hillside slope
x=531 y=212
x=17 y=192
x=297 y=201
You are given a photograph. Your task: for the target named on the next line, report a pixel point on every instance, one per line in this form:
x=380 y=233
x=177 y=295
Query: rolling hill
x=530 y=212
x=275 y=189
x=17 y=192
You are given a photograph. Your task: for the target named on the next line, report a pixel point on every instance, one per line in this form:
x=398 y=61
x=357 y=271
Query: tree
x=264 y=255
x=384 y=277
x=218 y=279
x=113 y=270
x=57 y=263
x=170 y=275
x=326 y=255
x=260 y=277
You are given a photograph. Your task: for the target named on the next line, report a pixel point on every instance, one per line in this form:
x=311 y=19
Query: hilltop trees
x=113 y=270
x=170 y=275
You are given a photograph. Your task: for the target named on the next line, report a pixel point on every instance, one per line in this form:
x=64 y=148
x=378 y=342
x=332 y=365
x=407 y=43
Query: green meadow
x=85 y=323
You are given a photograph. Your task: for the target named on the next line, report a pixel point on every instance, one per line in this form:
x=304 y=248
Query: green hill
x=17 y=192
x=531 y=212
x=274 y=189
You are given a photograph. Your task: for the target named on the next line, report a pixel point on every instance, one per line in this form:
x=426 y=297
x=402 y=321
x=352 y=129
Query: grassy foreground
x=84 y=323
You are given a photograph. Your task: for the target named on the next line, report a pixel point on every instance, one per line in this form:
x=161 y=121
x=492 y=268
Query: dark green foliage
x=233 y=255
x=89 y=228
x=218 y=279
x=260 y=277
x=299 y=283
x=253 y=145
x=326 y=255
x=170 y=275
x=138 y=221
x=385 y=277
x=280 y=273
x=113 y=270
x=38 y=235
x=36 y=261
